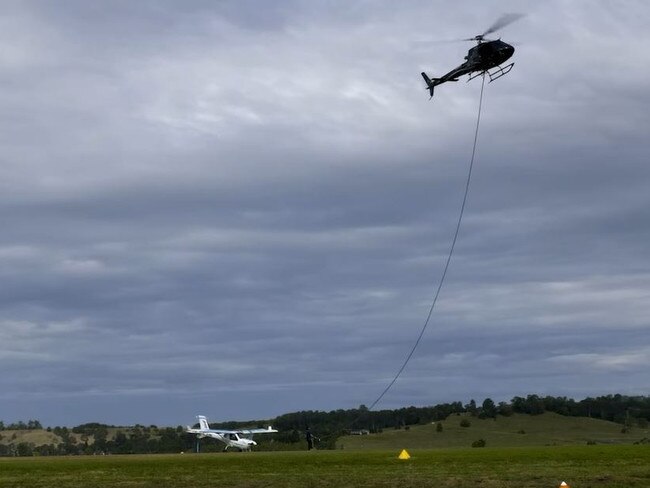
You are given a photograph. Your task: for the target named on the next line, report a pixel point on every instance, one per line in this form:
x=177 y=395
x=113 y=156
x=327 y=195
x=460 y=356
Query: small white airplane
x=239 y=439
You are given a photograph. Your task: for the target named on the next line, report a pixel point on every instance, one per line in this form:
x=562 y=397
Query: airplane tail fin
x=431 y=83
x=203 y=422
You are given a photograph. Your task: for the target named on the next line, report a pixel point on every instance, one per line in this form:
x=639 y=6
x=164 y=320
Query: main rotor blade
x=421 y=44
x=501 y=22
x=435 y=41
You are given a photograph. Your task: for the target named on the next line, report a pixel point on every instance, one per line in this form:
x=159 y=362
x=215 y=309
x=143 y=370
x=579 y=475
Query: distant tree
x=465 y=422
x=535 y=405
x=488 y=409
x=532 y=405
x=25 y=449
x=120 y=444
x=100 y=434
x=439 y=427
x=169 y=441
x=84 y=440
x=517 y=404
x=20 y=425
x=289 y=437
x=505 y=409
x=45 y=450
x=471 y=408
x=139 y=440
x=455 y=407
x=560 y=405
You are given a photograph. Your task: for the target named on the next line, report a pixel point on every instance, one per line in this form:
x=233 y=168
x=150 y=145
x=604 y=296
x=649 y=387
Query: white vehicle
x=240 y=439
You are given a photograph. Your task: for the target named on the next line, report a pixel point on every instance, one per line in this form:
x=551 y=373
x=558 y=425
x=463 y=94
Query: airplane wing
x=268 y=430
x=214 y=435
x=204 y=429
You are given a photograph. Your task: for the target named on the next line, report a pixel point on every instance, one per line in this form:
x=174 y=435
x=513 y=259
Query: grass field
x=549 y=429
x=583 y=466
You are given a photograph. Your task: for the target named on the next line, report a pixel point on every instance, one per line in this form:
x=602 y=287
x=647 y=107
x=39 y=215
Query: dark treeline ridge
x=97 y=438
x=615 y=408
x=20 y=425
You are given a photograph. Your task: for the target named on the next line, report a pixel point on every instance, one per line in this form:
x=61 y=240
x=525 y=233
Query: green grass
x=548 y=429
x=522 y=452
x=582 y=466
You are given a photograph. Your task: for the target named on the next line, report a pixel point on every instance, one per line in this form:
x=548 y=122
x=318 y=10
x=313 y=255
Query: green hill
x=517 y=430
x=548 y=429
x=37 y=437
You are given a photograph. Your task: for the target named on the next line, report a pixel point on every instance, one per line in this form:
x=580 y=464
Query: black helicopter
x=481 y=58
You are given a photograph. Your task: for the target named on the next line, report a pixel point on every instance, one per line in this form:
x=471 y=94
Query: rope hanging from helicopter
x=485 y=56
x=448 y=261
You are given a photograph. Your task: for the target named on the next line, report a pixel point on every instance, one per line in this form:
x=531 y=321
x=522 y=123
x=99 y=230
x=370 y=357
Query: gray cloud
x=243 y=209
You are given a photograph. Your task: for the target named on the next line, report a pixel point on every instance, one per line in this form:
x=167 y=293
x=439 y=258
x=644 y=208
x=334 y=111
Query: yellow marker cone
x=564 y=485
x=404 y=455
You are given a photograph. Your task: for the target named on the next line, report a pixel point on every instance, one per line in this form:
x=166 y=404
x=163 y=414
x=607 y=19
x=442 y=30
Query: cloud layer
x=242 y=209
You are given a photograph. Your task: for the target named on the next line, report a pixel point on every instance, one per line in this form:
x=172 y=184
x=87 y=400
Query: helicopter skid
x=500 y=71
x=495 y=74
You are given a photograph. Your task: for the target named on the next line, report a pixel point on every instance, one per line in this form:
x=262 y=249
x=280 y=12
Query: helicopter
x=486 y=55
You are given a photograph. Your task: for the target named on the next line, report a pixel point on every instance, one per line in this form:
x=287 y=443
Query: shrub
x=465 y=423
x=479 y=443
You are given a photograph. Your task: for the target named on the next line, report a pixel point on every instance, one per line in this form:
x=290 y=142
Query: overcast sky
x=243 y=208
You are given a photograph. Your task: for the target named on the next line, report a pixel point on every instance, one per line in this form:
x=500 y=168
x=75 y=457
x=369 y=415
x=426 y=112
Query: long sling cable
x=451 y=252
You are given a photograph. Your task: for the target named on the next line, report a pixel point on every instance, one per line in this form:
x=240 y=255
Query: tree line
x=97 y=438
x=615 y=408
x=20 y=425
